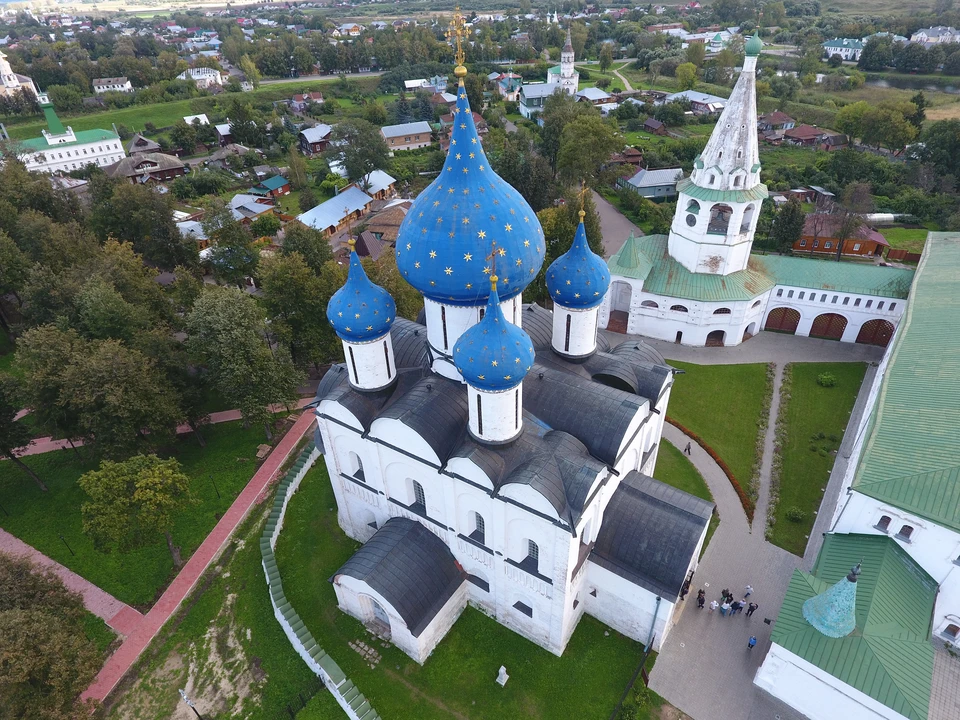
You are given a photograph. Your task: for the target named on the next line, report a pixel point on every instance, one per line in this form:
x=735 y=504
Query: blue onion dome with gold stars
x=494 y=354
x=579 y=278
x=443 y=246
x=360 y=311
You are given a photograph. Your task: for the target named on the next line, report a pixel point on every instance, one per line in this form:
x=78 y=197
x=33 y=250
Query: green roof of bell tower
x=754 y=45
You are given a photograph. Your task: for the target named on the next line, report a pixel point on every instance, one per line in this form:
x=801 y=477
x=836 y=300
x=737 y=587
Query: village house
x=224 y=133
x=407 y=136
x=147 y=167
x=116 y=84
x=805 y=135
x=338 y=212
x=593 y=95
x=246 y=207
x=299 y=103
x=776 y=120
x=139 y=144
x=654 y=127
x=700 y=103
x=315 y=139
x=275 y=186
x=820 y=231
x=653 y=184
x=204 y=77
x=846 y=48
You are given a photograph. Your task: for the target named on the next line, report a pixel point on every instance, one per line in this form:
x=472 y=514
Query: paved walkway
x=39 y=446
x=705 y=669
x=613 y=225
x=115 y=613
x=765 y=347
x=126 y=655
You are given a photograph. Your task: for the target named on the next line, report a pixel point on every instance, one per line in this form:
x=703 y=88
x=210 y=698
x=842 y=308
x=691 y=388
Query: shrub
x=629 y=712
x=826 y=380
x=641 y=694
x=795 y=514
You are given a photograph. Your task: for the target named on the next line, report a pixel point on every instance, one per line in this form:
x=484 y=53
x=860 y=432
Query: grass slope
x=40 y=519
x=722 y=404
x=808 y=459
x=228 y=617
x=457 y=680
x=909 y=239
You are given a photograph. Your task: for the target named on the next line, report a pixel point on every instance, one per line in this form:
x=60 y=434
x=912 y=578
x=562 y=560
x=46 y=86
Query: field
x=168 y=113
x=722 y=404
x=910 y=239
x=811 y=427
x=51 y=522
x=457 y=680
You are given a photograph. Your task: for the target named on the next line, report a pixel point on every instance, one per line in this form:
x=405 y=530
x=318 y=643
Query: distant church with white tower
x=565 y=74
x=498 y=454
x=700 y=285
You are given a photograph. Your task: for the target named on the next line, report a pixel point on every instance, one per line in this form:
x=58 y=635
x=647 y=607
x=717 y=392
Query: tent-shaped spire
x=833 y=612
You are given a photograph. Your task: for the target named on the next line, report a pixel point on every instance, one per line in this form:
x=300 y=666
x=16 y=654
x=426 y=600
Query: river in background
x=916 y=82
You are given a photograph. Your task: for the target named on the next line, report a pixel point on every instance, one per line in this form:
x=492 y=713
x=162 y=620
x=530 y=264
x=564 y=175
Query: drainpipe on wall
x=653 y=625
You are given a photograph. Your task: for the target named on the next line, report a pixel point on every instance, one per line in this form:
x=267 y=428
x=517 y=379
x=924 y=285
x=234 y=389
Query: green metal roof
x=83 y=137
x=274 y=182
x=889 y=655
x=823 y=274
x=910 y=457
x=758 y=192
x=646 y=258
x=53 y=122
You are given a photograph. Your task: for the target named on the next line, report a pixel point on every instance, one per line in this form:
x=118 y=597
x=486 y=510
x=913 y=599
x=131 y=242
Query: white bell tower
x=719 y=204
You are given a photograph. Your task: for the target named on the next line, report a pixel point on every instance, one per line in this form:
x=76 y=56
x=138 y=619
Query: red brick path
x=126 y=655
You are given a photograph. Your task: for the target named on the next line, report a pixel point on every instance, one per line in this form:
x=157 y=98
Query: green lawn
x=39 y=518
x=674 y=469
x=168 y=113
x=458 y=679
x=807 y=458
x=227 y=634
x=909 y=239
x=722 y=404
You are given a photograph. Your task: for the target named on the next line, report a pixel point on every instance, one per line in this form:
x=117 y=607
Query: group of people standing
x=727 y=604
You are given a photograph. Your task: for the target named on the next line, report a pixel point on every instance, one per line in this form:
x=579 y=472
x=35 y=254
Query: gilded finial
x=493 y=281
x=352 y=242
x=455 y=34
x=583 y=195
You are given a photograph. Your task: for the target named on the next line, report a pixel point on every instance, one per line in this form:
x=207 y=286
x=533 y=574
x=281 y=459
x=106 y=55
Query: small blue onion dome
x=360 y=311
x=443 y=244
x=579 y=278
x=494 y=354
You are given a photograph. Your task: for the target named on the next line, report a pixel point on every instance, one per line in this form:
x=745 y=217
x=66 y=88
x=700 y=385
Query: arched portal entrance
x=716 y=338
x=783 y=319
x=376 y=617
x=750 y=331
x=876 y=332
x=829 y=326
x=621 y=294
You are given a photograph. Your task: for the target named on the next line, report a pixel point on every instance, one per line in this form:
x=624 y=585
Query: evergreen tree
x=788 y=225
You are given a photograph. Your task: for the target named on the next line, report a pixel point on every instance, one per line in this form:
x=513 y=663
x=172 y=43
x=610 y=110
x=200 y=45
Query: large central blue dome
x=447 y=236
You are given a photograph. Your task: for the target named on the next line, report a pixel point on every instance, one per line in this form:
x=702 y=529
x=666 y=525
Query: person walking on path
x=751 y=642
x=723 y=594
x=701 y=598
x=751 y=608
x=735 y=607
x=714 y=605
x=748 y=592
x=725 y=608
x=686 y=450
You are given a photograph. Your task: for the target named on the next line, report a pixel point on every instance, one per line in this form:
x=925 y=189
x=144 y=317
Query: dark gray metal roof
x=436 y=409
x=410 y=567
x=554 y=463
x=409 y=344
x=538 y=324
x=649 y=533
x=595 y=414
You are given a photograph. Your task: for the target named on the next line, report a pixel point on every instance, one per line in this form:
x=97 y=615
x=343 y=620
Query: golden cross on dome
x=582 y=194
x=455 y=34
x=492 y=257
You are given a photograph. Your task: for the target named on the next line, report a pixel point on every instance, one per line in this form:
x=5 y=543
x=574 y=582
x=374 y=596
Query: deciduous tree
x=310 y=244
x=788 y=225
x=686 y=76
x=360 y=148
x=131 y=503
x=227 y=335
x=585 y=147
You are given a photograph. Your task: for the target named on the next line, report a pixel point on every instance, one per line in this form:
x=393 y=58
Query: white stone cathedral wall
x=626 y=607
